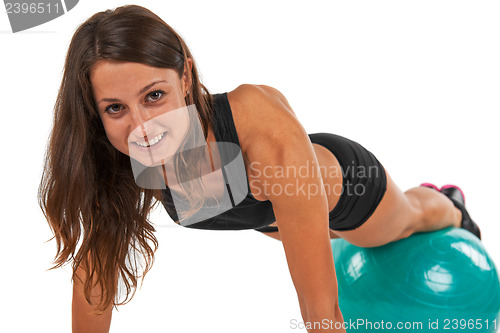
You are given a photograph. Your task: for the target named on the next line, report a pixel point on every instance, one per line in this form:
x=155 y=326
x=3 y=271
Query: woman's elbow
x=329 y=312
x=329 y=320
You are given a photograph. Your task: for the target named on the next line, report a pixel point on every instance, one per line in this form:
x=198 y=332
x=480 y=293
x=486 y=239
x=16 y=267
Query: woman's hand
x=285 y=169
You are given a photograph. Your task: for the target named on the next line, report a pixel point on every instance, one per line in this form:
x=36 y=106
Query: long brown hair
x=88 y=192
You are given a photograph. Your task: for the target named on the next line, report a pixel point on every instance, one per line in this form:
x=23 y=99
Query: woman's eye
x=156 y=95
x=113 y=108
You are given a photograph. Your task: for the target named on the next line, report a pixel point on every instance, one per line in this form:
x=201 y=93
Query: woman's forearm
x=84 y=316
x=84 y=320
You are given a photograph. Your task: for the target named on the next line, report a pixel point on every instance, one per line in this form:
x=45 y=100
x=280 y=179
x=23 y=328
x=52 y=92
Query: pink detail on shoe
x=454 y=186
x=430 y=185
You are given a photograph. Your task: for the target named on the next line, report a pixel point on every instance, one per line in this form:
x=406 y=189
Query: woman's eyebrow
x=138 y=94
x=149 y=86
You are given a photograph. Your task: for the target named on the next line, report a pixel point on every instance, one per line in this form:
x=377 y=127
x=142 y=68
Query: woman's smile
x=150 y=143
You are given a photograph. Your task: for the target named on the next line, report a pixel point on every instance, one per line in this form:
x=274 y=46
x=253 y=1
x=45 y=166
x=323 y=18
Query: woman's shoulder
x=268 y=130
x=259 y=97
x=260 y=111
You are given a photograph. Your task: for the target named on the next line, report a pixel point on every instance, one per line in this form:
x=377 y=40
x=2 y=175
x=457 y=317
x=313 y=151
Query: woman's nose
x=141 y=123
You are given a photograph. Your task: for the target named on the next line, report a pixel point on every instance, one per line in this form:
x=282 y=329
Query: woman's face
x=142 y=108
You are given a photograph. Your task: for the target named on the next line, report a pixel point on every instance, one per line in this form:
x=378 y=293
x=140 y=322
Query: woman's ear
x=186 y=77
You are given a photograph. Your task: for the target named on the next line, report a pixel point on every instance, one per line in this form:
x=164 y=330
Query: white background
x=416 y=83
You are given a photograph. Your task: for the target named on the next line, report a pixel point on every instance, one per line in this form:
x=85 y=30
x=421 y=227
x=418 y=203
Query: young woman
x=130 y=85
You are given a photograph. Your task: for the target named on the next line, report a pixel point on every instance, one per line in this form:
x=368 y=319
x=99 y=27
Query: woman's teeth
x=151 y=142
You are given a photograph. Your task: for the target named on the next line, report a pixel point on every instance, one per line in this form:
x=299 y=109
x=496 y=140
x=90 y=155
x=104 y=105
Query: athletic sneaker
x=455 y=194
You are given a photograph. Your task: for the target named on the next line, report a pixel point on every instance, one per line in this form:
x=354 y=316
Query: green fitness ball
x=441 y=281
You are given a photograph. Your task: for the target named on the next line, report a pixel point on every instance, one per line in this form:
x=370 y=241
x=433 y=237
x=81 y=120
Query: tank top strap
x=225 y=131
x=223 y=122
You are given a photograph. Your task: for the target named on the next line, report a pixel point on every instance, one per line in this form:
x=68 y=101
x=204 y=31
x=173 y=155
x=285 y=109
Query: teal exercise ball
x=441 y=281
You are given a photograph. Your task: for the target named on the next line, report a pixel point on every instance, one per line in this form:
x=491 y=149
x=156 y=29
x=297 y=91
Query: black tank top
x=249 y=213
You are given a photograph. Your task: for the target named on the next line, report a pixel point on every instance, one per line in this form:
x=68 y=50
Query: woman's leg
x=399 y=215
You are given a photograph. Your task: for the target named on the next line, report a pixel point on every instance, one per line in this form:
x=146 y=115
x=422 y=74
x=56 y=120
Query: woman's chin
x=149 y=162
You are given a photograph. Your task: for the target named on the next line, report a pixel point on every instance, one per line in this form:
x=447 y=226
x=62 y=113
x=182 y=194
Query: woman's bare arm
x=84 y=316
x=300 y=206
